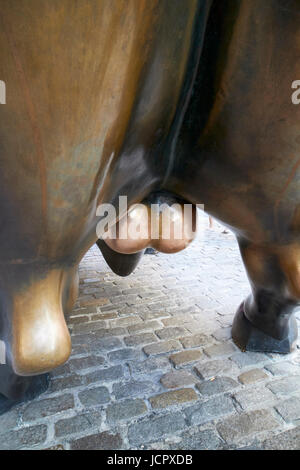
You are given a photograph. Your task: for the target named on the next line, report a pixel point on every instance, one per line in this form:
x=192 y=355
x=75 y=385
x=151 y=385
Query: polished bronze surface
x=112 y=97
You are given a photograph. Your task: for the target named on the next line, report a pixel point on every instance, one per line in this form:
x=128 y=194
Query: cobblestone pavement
x=153 y=365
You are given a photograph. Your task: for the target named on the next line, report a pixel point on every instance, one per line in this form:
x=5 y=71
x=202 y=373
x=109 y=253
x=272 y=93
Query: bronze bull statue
x=185 y=100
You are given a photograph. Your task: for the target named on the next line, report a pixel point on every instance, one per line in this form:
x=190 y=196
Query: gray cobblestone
x=235 y=428
x=290 y=410
x=143 y=338
x=288 y=440
x=151 y=365
x=185 y=357
x=105 y=375
x=63 y=383
x=133 y=388
x=217 y=385
x=107 y=344
x=154 y=428
x=9 y=420
x=178 y=378
x=22 y=438
x=170 y=333
x=144 y=326
x=222 y=349
x=249 y=359
x=125 y=410
x=210 y=369
x=285 y=386
x=102 y=441
x=86 y=362
x=122 y=355
x=162 y=347
x=201 y=440
x=78 y=423
x=283 y=368
x=254 y=397
x=47 y=407
x=196 y=341
x=94 y=396
x=209 y=410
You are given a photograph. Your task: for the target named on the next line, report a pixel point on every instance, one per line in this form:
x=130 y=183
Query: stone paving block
x=283 y=368
x=133 y=388
x=92 y=302
x=105 y=375
x=206 y=411
x=105 y=344
x=170 y=333
x=126 y=321
x=222 y=349
x=288 y=440
x=154 y=428
x=64 y=383
x=46 y=407
x=285 y=386
x=252 y=376
x=162 y=347
x=254 y=397
x=86 y=362
x=186 y=357
x=102 y=441
x=61 y=371
x=144 y=326
x=104 y=316
x=196 y=341
x=94 y=396
x=201 y=440
x=82 y=340
x=249 y=359
x=125 y=410
x=290 y=410
x=9 y=420
x=177 y=320
x=143 y=338
x=150 y=365
x=203 y=327
x=222 y=334
x=107 y=332
x=177 y=379
x=210 y=369
x=22 y=438
x=237 y=427
x=174 y=397
x=217 y=385
x=77 y=423
x=154 y=315
x=126 y=354
x=78 y=319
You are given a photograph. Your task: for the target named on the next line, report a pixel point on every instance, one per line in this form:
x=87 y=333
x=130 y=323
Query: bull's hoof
x=38 y=385
x=249 y=338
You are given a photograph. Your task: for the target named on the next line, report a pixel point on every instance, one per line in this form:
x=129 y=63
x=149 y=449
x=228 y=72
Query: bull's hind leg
x=265 y=321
